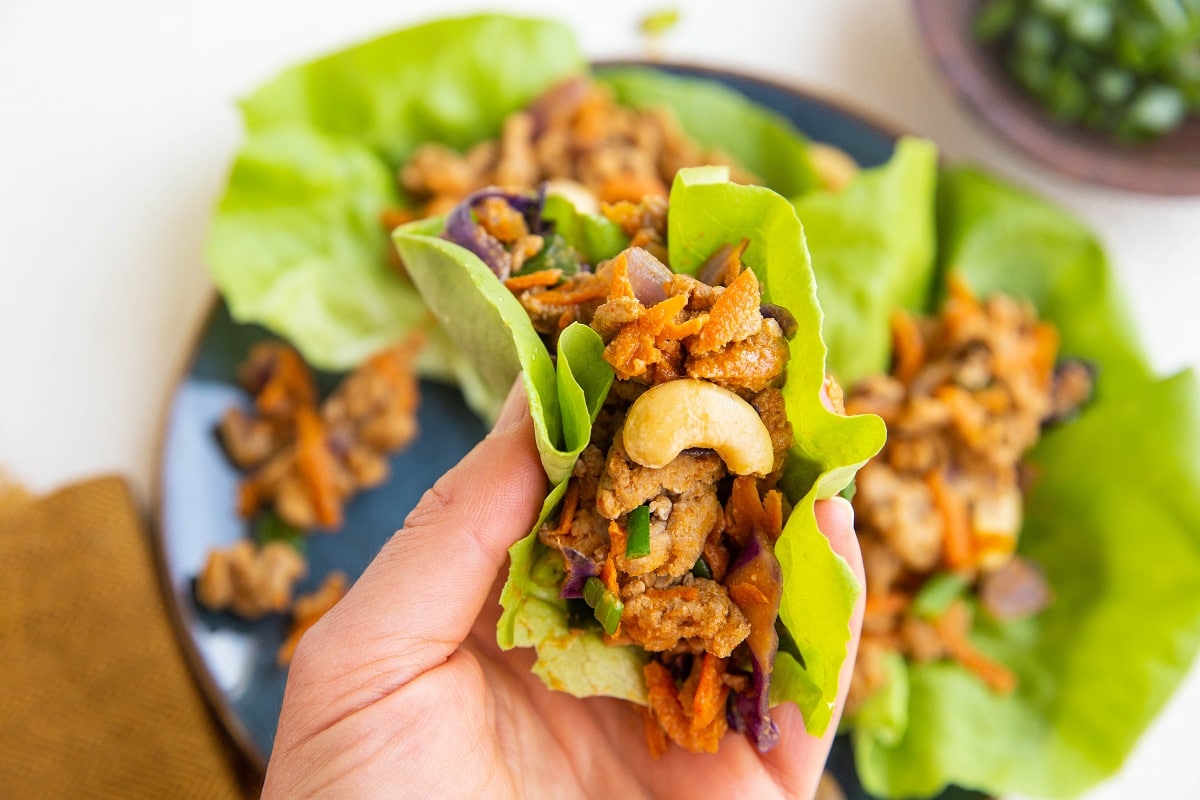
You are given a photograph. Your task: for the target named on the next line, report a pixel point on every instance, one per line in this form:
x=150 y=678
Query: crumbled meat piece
x=700 y=614
x=771 y=409
x=678 y=540
x=250 y=581
x=901 y=510
x=748 y=366
x=306 y=462
x=870 y=674
x=625 y=485
x=248 y=440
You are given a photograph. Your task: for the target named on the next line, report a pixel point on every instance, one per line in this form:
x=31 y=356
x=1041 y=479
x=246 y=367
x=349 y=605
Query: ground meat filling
x=969 y=393
x=659 y=327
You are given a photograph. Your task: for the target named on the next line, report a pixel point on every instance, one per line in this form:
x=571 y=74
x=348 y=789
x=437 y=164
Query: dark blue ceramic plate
x=235 y=660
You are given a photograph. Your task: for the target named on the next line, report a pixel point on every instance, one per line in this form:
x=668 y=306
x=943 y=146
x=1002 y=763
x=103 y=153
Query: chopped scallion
x=701 y=569
x=637 y=534
x=606 y=605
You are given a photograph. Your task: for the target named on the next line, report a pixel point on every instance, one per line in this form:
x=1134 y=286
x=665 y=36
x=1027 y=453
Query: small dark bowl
x=1168 y=166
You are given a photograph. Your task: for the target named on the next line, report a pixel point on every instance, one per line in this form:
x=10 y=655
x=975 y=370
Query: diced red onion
x=463 y=230
x=648 y=276
x=713 y=268
x=787 y=323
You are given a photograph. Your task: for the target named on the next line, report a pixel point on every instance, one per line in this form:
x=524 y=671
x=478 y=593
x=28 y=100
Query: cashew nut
x=676 y=415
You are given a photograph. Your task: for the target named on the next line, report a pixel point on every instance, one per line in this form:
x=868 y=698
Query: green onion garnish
x=607 y=605
x=271 y=528
x=637 y=535
x=701 y=569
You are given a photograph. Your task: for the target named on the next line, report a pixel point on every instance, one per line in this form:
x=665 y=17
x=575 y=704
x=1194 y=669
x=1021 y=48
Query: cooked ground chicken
x=969 y=393
x=575 y=136
x=307 y=461
x=251 y=581
x=660 y=327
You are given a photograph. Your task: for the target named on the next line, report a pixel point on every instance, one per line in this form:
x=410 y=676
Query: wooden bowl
x=1168 y=166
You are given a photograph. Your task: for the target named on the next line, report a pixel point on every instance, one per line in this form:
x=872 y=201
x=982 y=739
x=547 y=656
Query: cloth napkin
x=96 y=698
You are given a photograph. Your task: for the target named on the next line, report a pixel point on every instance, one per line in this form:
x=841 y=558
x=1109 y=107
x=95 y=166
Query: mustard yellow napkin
x=96 y=699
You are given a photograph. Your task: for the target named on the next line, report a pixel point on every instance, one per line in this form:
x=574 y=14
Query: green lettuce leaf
x=296 y=243
x=819 y=589
x=873 y=250
x=717 y=117
x=1113 y=518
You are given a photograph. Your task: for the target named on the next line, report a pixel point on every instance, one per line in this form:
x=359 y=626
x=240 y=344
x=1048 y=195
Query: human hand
x=401 y=690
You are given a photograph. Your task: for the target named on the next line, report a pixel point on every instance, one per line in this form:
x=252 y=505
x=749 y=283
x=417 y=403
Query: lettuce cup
x=682 y=426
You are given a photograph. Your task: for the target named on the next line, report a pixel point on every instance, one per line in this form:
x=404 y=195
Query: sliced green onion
x=605 y=604
x=637 y=534
x=701 y=569
x=271 y=528
x=938 y=593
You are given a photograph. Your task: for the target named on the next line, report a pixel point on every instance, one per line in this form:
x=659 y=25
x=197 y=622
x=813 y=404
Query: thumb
x=415 y=603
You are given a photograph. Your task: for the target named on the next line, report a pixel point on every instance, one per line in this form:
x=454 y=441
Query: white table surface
x=117 y=126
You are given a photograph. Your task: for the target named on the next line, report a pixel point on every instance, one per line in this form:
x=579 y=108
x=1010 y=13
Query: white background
x=117 y=126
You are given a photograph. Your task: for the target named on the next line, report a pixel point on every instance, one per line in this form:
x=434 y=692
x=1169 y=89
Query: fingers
x=417 y=600
x=802 y=759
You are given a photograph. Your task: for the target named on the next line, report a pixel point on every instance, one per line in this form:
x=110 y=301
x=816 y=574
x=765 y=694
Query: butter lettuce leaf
x=873 y=248
x=297 y=243
x=717 y=117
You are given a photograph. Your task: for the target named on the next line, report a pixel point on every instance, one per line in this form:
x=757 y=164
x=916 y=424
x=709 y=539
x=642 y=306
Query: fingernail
x=515 y=409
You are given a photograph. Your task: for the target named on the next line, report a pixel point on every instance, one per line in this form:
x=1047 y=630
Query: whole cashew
x=676 y=415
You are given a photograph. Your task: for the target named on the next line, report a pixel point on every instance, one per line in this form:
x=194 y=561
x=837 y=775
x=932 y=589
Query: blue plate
x=234 y=660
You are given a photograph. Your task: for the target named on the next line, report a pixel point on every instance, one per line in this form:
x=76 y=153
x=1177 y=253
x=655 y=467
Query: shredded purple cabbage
x=749 y=712
x=463 y=230
x=579 y=569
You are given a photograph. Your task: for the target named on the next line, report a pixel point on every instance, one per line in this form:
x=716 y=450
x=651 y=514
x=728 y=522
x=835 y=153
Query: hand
x=401 y=691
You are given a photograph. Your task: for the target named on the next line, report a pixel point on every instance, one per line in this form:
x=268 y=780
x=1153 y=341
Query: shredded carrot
x=501 y=220
x=952 y=628
x=608 y=574
x=773 y=514
x=545 y=277
x=570 y=503
x=744 y=510
x=664 y=703
x=289 y=386
x=710 y=693
x=632 y=187
x=316 y=466
x=746 y=595
x=715 y=553
x=616 y=540
x=956 y=524
x=734 y=316
x=656 y=738
x=634 y=349
x=621 y=287
x=908 y=347
x=567 y=295
x=1045 y=352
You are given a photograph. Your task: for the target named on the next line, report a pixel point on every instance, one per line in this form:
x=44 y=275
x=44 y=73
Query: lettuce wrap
x=1113 y=516
x=297 y=243
x=489 y=325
